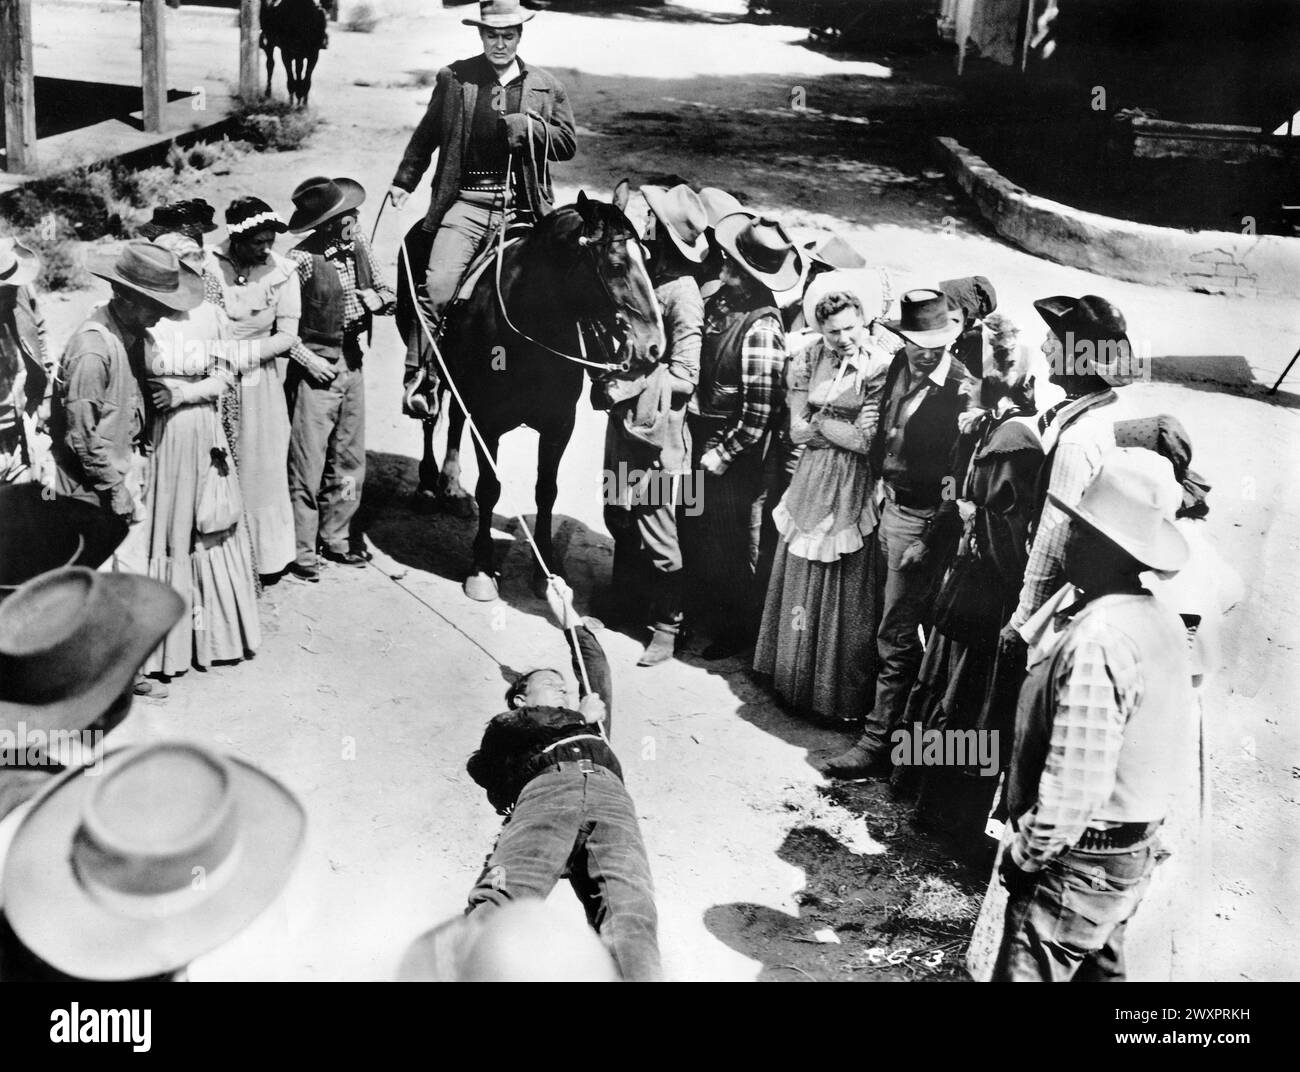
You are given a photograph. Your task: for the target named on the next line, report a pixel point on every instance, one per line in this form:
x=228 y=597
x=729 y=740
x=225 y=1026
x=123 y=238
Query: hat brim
x=1167 y=551
x=694 y=252
x=149 y=609
x=27 y=269
x=500 y=22
x=929 y=340
x=784 y=278
x=62 y=923
x=188 y=294
x=848 y=260
x=353 y=194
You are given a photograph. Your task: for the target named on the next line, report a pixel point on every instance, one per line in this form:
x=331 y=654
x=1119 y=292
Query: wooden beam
x=19 y=83
x=153 y=63
x=250 y=31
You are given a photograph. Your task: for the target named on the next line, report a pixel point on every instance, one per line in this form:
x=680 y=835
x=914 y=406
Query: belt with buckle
x=908 y=499
x=586 y=766
x=1123 y=836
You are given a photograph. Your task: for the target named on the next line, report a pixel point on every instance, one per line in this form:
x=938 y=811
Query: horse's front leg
x=452 y=497
x=482 y=584
x=305 y=83
x=270 y=68
x=550 y=449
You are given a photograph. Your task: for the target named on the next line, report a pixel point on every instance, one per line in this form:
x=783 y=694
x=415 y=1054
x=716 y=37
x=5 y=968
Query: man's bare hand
x=162 y=396
x=397 y=196
x=592 y=708
x=320 y=370
x=559 y=596
x=913 y=555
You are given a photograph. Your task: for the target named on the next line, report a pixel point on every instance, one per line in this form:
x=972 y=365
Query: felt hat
x=194 y=218
x=928 y=319
x=72 y=641
x=250 y=214
x=18 y=264
x=499 y=14
x=40 y=532
x=1131 y=501
x=319 y=199
x=170 y=850
x=1092 y=319
x=835 y=253
x=719 y=204
x=761 y=248
x=150 y=270
x=683 y=216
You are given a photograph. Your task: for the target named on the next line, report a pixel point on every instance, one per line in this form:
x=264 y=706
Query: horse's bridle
x=587 y=256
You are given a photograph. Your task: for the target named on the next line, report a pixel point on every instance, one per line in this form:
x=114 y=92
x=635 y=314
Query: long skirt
x=264 y=467
x=213 y=573
x=818 y=637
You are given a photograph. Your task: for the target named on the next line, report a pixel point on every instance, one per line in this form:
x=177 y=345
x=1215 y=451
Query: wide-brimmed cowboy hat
x=833 y=252
x=762 y=249
x=249 y=215
x=150 y=270
x=499 y=15
x=168 y=852
x=683 y=216
x=40 y=532
x=18 y=264
x=928 y=319
x=719 y=204
x=194 y=218
x=72 y=640
x=319 y=199
x=1131 y=501
x=1095 y=320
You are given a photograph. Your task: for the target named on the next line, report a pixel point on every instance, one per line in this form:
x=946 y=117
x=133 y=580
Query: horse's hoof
x=425 y=501
x=481 y=587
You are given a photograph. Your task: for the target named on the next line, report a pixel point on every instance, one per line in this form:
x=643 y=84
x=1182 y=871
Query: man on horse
x=498 y=124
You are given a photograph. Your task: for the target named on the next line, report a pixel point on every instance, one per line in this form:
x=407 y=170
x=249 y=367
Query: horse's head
x=612 y=277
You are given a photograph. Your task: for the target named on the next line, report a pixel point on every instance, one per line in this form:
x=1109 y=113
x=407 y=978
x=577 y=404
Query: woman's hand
x=162 y=396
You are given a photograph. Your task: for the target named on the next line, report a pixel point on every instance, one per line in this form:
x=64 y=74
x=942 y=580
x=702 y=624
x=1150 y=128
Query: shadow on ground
x=902 y=914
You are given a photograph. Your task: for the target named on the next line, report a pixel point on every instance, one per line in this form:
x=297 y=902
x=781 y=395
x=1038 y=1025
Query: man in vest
x=742 y=362
x=486 y=112
x=926 y=393
x=341 y=292
x=24 y=374
x=1103 y=728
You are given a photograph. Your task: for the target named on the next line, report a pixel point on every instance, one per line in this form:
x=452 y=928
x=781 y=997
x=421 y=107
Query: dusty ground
x=372 y=688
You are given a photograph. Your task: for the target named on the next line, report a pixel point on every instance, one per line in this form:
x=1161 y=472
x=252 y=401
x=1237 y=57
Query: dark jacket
x=511 y=753
x=929 y=434
x=446 y=126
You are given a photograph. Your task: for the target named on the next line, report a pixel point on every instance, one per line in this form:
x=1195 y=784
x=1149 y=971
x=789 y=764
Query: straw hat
x=1131 y=501
x=168 y=852
x=683 y=216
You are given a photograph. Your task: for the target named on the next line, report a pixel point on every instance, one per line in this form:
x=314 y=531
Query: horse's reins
x=487 y=454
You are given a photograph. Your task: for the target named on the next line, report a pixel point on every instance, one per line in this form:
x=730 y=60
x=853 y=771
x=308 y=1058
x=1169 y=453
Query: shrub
x=271 y=125
x=362 y=18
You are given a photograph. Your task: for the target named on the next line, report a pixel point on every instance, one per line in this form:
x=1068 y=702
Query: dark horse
x=581 y=264
x=297 y=29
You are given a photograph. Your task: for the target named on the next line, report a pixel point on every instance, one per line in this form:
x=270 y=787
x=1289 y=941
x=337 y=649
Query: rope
x=491 y=461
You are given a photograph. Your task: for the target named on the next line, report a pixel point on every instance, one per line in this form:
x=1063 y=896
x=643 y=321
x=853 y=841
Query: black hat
x=249 y=214
x=928 y=319
x=193 y=218
x=1095 y=320
x=973 y=295
x=319 y=199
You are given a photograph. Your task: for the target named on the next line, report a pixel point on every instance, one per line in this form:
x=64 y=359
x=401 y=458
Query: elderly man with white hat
x=489 y=115
x=24 y=375
x=647 y=445
x=1104 y=725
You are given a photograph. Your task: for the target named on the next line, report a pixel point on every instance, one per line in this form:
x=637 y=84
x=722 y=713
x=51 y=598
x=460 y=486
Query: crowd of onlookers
x=884 y=512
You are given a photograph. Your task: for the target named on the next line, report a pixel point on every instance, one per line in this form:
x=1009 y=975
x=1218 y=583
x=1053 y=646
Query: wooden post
x=153 y=63
x=17 y=76
x=250 y=31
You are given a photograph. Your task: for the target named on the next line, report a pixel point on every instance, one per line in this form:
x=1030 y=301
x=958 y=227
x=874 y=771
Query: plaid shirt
x=1096 y=685
x=762 y=372
x=342 y=255
x=1089 y=431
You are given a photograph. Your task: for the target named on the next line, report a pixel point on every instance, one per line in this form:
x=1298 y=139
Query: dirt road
x=372 y=688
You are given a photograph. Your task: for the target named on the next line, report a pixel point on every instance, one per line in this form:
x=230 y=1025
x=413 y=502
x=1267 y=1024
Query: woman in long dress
x=262 y=299
x=190 y=368
x=817 y=639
